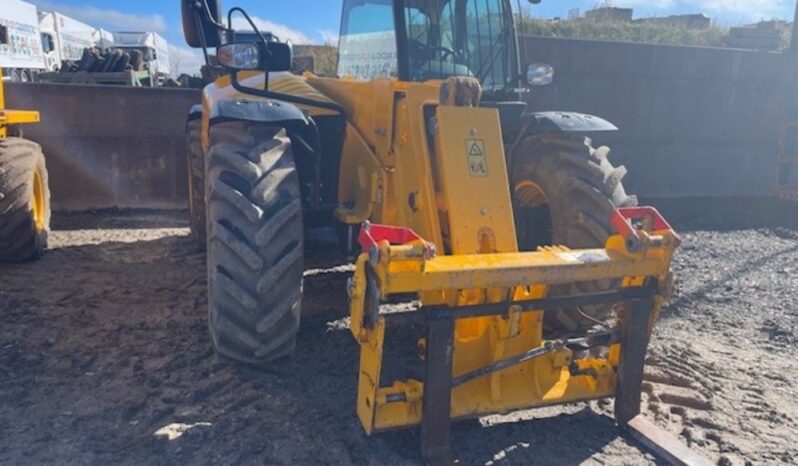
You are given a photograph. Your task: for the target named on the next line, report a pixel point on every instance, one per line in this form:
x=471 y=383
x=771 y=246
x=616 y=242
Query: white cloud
x=652 y=4
x=183 y=60
x=329 y=36
x=105 y=17
x=279 y=30
x=750 y=8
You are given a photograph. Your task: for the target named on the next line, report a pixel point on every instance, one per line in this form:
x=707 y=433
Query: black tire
x=564 y=192
x=137 y=60
x=24 y=201
x=255 y=242
x=25 y=76
x=196 y=182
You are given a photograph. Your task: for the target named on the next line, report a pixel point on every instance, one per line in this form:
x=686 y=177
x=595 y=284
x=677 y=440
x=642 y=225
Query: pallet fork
x=522 y=370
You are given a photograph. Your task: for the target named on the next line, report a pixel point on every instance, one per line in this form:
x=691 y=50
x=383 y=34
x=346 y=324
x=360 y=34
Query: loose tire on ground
x=196 y=182
x=24 y=201
x=255 y=242
x=564 y=192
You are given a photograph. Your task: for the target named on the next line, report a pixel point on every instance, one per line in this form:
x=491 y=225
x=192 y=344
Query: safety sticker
x=477 y=159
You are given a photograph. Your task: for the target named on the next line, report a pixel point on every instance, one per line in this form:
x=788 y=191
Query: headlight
x=240 y=56
x=540 y=74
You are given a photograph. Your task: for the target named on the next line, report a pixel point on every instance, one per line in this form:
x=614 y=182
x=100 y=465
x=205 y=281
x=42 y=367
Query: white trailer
x=103 y=39
x=63 y=38
x=21 y=51
x=154 y=50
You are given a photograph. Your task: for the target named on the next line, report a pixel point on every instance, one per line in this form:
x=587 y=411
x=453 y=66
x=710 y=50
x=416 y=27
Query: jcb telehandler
x=24 y=191
x=536 y=278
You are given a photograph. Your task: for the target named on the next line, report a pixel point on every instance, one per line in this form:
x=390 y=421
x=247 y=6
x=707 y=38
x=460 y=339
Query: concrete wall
x=694 y=121
x=109 y=146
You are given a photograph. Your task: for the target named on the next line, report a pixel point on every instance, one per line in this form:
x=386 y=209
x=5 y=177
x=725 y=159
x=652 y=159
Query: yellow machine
x=502 y=234
x=24 y=192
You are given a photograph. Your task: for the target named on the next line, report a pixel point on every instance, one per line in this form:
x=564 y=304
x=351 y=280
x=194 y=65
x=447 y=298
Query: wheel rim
x=38 y=201
x=535 y=228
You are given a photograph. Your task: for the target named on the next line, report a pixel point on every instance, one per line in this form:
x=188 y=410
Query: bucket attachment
x=484 y=350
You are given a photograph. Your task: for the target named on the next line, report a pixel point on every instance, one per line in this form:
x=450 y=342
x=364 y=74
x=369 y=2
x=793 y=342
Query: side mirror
x=540 y=74
x=281 y=57
x=197 y=25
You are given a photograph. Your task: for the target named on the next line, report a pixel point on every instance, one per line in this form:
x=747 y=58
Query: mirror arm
x=202 y=7
x=251 y=23
x=203 y=42
x=267 y=53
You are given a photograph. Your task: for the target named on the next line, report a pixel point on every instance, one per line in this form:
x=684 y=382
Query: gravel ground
x=105 y=358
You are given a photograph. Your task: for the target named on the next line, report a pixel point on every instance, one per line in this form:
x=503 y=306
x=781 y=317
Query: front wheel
x=564 y=191
x=255 y=242
x=24 y=201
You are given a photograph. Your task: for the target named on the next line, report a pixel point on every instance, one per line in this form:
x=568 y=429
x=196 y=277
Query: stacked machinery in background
x=48 y=46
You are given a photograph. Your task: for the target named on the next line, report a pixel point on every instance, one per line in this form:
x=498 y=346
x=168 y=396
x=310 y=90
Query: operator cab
x=420 y=40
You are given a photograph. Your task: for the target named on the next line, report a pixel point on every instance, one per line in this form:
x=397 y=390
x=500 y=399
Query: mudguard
x=260 y=111
x=566 y=122
x=547 y=123
x=561 y=122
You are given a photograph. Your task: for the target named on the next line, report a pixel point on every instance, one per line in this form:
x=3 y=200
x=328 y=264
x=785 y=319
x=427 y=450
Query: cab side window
x=368 y=40
x=485 y=29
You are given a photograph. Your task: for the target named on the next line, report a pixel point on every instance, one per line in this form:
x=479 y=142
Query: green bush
x=649 y=33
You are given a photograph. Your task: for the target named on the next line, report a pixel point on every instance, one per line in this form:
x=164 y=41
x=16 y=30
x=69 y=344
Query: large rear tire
x=255 y=242
x=564 y=192
x=196 y=182
x=24 y=201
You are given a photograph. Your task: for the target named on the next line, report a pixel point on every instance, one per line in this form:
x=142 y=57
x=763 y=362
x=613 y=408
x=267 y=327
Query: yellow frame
x=543 y=381
x=13 y=117
x=410 y=161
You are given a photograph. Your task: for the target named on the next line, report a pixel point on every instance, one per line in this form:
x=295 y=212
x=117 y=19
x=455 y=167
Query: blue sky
x=315 y=21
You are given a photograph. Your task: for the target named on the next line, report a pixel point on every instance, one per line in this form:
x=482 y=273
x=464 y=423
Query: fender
x=548 y=123
x=258 y=111
x=564 y=122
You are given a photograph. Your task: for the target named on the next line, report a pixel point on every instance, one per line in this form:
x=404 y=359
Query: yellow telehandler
x=24 y=189
x=503 y=234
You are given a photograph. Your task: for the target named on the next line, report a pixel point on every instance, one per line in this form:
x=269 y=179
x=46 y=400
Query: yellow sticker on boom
x=477 y=160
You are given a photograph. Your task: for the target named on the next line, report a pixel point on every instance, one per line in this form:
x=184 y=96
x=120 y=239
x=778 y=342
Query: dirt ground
x=105 y=359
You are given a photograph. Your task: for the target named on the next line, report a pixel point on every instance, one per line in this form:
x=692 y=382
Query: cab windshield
x=439 y=39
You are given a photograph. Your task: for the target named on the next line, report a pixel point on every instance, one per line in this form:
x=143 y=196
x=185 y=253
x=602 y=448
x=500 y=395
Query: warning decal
x=477 y=160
